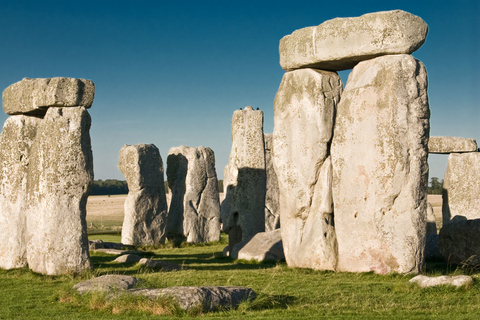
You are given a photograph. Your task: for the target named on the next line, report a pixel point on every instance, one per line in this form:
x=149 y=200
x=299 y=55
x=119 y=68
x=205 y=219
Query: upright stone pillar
x=146 y=204
x=16 y=140
x=243 y=209
x=272 y=216
x=60 y=175
x=194 y=213
x=380 y=170
x=304 y=115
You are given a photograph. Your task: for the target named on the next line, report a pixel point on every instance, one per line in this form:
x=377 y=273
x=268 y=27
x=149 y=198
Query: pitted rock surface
x=451 y=145
x=272 y=202
x=106 y=283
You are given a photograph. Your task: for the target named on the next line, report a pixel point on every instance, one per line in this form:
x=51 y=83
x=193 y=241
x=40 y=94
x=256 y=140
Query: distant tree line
x=435 y=187
x=113 y=186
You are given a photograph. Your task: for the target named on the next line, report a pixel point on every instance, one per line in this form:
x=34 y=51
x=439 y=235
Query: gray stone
x=243 y=209
x=451 y=145
x=341 y=43
x=59 y=178
x=106 y=283
x=194 y=212
x=431 y=222
x=461 y=186
x=432 y=251
x=117 y=251
x=263 y=246
x=163 y=265
x=380 y=171
x=272 y=202
x=128 y=258
x=146 y=204
x=15 y=142
x=459 y=243
x=99 y=244
x=206 y=298
x=456 y=281
x=34 y=96
x=304 y=114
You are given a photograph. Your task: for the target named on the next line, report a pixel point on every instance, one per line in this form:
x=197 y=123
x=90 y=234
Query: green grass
x=282 y=292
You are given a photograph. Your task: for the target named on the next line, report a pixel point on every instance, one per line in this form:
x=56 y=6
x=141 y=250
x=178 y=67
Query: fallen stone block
x=456 y=281
x=128 y=258
x=163 y=265
x=263 y=246
x=106 y=283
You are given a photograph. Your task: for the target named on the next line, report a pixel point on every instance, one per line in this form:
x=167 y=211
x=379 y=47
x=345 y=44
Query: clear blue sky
x=173 y=72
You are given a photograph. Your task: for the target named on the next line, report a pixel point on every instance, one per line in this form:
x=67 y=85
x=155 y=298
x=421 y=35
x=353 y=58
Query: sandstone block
x=341 y=43
x=262 y=247
x=59 y=178
x=459 y=243
x=243 y=208
x=379 y=154
x=194 y=212
x=461 y=186
x=146 y=204
x=304 y=114
x=272 y=216
x=106 y=283
x=451 y=145
x=456 y=281
x=34 y=96
x=16 y=141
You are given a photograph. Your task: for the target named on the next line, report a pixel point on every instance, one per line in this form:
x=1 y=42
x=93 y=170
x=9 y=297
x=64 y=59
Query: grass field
x=283 y=292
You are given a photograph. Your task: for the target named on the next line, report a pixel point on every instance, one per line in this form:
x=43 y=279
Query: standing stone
x=35 y=96
x=459 y=242
x=461 y=186
x=341 y=43
x=194 y=212
x=243 y=209
x=451 y=145
x=272 y=217
x=15 y=143
x=379 y=155
x=146 y=204
x=60 y=174
x=304 y=114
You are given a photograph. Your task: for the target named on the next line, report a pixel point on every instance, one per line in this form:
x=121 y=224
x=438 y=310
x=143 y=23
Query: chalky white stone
x=272 y=216
x=379 y=154
x=146 y=204
x=341 y=43
x=304 y=115
x=194 y=212
x=451 y=145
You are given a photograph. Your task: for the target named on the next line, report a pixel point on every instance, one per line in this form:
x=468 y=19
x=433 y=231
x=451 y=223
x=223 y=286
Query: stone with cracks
x=380 y=171
x=461 y=186
x=34 y=96
x=59 y=178
x=341 y=43
x=243 y=209
x=272 y=217
x=263 y=246
x=146 y=204
x=304 y=114
x=459 y=243
x=451 y=145
x=16 y=141
x=194 y=212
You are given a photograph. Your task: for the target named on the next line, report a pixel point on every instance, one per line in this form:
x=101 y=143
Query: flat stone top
x=35 y=96
x=341 y=43
x=444 y=145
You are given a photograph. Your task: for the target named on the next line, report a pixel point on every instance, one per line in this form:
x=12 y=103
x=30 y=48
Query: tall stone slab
x=243 y=209
x=304 y=115
x=16 y=140
x=379 y=154
x=272 y=216
x=194 y=212
x=341 y=43
x=461 y=187
x=59 y=178
x=145 y=218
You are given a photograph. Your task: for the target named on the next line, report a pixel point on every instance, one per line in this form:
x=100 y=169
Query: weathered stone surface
x=263 y=246
x=461 y=186
x=457 y=281
x=128 y=258
x=380 y=170
x=146 y=204
x=459 y=242
x=341 y=43
x=16 y=140
x=206 y=298
x=99 y=244
x=60 y=174
x=106 y=283
x=243 y=209
x=272 y=216
x=451 y=145
x=304 y=110
x=163 y=265
x=194 y=212
x=432 y=251
x=117 y=251
x=34 y=96
x=431 y=223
